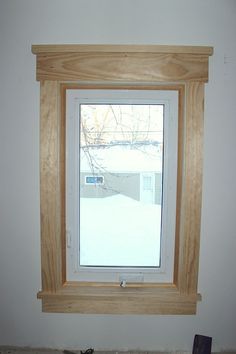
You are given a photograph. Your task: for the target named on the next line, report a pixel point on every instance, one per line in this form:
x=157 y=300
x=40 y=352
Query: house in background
x=131 y=170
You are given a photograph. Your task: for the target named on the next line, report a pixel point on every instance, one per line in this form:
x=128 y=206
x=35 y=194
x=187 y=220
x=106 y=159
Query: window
x=145 y=68
x=129 y=216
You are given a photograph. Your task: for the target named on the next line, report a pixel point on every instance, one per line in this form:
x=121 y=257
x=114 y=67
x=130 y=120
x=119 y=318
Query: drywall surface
x=182 y=22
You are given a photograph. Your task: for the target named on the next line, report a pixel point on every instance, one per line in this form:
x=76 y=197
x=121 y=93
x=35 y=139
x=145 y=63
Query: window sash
x=164 y=273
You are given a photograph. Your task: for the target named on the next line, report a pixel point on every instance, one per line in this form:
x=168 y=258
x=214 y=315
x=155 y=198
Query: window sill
x=101 y=298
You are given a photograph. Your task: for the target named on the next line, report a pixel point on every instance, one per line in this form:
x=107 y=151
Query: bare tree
x=107 y=126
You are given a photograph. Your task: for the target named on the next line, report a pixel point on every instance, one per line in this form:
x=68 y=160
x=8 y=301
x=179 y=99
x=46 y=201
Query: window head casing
x=184 y=69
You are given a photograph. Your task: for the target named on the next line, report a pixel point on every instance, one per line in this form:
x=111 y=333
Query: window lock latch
x=123 y=283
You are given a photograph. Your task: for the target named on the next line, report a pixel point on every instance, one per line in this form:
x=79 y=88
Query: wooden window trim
x=138 y=67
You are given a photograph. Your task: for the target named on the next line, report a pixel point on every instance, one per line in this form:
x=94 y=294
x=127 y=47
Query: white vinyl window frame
x=155 y=67
x=169 y=100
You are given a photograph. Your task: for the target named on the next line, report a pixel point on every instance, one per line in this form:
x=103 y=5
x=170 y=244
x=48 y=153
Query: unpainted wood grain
x=150 y=293
x=157 y=296
x=62 y=173
x=180 y=166
x=130 y=69
x=122 y=67
x=50 y=196
x=85 y=48
x=192 y=187
x=117 y=306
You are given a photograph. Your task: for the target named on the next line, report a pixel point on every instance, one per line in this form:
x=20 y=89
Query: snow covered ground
x=119 y=231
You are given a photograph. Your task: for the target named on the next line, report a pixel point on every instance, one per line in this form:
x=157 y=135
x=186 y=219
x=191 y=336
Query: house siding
x=127 y=184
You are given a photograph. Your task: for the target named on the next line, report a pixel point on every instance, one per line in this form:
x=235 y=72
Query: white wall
x=183 y=22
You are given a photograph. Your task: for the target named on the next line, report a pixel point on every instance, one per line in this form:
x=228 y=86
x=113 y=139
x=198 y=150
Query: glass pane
x=121 y=159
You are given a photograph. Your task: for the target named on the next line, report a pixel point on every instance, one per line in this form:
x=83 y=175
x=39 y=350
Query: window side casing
x=152 y=67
